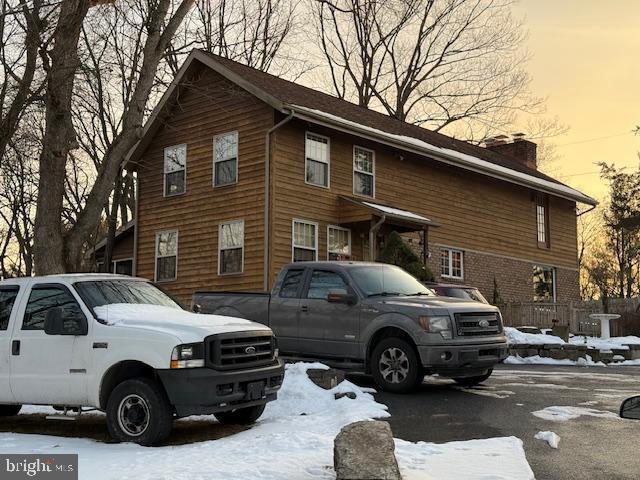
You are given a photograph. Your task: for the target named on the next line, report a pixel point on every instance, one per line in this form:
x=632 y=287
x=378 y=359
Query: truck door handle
x=15 y=347
x=304 y=308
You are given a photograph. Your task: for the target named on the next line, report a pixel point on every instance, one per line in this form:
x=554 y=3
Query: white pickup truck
x=121 y=345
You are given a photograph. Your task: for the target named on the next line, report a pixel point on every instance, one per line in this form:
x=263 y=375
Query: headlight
x=439 y=324
x=189 y=355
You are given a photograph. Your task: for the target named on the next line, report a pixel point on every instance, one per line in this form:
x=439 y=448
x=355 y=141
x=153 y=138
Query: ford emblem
x=252 y=350
x=483 y=323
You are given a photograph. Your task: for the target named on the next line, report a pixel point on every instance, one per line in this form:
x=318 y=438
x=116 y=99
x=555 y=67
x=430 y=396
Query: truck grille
x=240 y=350
x=477 y=324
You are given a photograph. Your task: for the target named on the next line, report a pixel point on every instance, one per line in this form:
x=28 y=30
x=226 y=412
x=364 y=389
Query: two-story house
x=240 y=172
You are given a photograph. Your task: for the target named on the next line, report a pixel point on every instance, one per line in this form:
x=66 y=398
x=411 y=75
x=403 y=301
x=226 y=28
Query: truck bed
x=249 y=305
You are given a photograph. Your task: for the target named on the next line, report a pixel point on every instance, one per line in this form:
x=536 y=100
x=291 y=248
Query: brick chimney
x=520 y=150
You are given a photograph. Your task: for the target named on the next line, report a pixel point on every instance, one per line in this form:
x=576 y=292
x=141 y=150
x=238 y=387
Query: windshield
x=466 y=294
x=387 y=280
x=107 y=292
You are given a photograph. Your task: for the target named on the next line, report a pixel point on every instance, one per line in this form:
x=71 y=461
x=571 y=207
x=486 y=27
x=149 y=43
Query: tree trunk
x=112 y=225
x=59 y=138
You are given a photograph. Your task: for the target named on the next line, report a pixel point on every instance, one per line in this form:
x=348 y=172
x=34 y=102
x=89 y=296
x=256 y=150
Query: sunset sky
x=586 y=60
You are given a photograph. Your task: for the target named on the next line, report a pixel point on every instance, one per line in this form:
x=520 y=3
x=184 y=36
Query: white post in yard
x=604 y=318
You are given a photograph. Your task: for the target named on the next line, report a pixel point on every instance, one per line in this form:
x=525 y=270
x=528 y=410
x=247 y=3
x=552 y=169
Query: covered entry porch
x=370 y=224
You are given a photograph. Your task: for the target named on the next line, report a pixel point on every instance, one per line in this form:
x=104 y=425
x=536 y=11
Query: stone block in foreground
x=365 y=451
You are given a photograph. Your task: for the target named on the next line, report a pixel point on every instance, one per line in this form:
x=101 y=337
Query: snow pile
x=581 y=362
x=550 y=437
x=564 y=413
x=516 y=337
x=293 y=440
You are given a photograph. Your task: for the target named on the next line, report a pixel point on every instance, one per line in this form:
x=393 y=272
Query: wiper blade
x=419 y=294
x=385 y=294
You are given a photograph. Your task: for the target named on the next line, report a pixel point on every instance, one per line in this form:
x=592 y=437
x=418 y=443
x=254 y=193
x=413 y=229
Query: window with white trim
x=364 y=171
x=316 y=160
x=544 y=284
x=231 y=247
x=304 y=241
x=452 y=263
x=338 y=243
x=225 y=159
x=175 y=170
x=166 y=256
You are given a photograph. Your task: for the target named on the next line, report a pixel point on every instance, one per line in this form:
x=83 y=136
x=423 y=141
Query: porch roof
x=392 y=214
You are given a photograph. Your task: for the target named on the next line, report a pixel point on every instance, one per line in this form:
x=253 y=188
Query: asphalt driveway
x=590 y=447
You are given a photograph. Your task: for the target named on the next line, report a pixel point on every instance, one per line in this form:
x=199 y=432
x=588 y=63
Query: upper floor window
x=338 y=243
x=225 y=159
x=363 y=171
x=166 y=256
x=175 y=170
x=544 y=284
x=317 y=160
x=304 y=241
x=231 y=247
x=542 y=220
x=452 y=263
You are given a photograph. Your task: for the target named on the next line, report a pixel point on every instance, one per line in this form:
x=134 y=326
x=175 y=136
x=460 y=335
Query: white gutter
x=444 y=155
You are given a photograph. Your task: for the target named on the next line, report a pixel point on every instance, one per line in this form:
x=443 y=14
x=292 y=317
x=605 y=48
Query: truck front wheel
x=395 y=366
x=138 y=411
x=240 y=416
x=9 y=410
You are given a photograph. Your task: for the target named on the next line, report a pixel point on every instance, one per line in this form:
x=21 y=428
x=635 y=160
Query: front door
x=328 y=329
x=49 y=369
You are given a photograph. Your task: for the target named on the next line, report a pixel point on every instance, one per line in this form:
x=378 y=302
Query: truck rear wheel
x=9 y=410
x=395 y=366
x=138 y=411
x=240 y=416
x=471 y=381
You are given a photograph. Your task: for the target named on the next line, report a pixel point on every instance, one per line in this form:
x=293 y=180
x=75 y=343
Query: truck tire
x=138 y=411
x=395 y=366
x=471 y=381
x=240 y=416
x=9 y=410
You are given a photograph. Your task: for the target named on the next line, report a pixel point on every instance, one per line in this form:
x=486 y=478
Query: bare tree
x=430 y=62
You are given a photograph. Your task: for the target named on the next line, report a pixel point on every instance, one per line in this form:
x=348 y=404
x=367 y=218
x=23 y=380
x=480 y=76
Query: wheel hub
x=133 y=415
x=394 y=365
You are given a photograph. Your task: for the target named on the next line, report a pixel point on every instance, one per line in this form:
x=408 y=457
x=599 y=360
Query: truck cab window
x=7 y=299
x=291 y=284
x=324 y=282
x=41 y=300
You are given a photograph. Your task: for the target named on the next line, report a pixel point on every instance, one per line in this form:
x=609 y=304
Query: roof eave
x=535 y=183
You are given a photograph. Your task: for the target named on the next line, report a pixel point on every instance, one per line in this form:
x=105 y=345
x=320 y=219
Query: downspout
x=267 y=192
x=593 y=207
x=372 y=235
x=134 y=269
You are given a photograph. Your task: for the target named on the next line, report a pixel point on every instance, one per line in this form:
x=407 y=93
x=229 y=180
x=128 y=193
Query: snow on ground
x=581 y=362
x=550 y=437
x=516 y=337
x=293 y=440
x=564 y=413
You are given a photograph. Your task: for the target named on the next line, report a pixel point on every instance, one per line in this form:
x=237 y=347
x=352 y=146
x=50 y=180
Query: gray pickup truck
x=374 y=318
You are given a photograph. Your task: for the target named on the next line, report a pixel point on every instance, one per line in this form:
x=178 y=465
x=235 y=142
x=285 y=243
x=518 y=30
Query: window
x=338 y=243
x=323 y=283
x=305 y=241
x=175 y=170
x=544 y=284
x=452 y=263
x=230 y=247
x=225 y=159
x=166 y=256
x=42 y=299
x=317 y=160
x=291 y=284
x=363 y=171
x=123 y=267
x=7 y=299
x=542 y=220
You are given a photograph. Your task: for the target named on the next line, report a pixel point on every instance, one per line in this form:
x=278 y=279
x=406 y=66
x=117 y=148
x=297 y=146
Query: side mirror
x=197 y=308
x=56 y=324
x=631 y=408
x=338 y=297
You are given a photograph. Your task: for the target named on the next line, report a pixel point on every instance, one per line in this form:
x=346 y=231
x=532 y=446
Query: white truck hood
x=187 y=326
